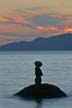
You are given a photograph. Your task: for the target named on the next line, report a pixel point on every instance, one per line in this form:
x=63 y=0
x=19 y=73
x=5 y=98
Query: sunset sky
x=30 y=19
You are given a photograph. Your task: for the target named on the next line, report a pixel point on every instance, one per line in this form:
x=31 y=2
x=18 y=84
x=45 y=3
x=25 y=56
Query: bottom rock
x=41 y=91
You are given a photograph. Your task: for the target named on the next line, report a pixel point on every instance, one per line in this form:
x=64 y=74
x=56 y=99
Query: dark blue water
x=17 y=72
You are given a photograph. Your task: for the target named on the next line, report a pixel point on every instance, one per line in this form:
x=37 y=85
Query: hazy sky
x=30 y=19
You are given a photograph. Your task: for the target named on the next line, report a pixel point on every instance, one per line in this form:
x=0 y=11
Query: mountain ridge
x=58 y=42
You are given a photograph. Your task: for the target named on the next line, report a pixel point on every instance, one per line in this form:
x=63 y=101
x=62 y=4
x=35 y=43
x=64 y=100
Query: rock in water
x=41 y=91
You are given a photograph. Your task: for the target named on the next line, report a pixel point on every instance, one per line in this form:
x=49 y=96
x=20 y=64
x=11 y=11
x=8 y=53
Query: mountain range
x=59 y=42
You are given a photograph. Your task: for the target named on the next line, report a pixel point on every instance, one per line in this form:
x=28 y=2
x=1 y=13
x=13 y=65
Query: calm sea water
x=17 y=72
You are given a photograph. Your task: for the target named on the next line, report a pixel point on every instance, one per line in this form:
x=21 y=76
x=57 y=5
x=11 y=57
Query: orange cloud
x=52 y=28
x=47 y=28
x=21 y=20
x=68 y=30
x=16 y=20
x=40 y=27
x=2 y=19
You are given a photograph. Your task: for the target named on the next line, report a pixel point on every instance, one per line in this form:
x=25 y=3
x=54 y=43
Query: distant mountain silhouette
x=60 y=42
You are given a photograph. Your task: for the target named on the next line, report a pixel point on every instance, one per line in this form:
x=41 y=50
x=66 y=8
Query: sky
x=25 y=20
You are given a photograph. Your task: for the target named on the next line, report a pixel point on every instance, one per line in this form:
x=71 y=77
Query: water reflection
x=38 y=103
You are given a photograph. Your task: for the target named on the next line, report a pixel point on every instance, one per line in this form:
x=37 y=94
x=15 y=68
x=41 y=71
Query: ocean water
x=17 y=72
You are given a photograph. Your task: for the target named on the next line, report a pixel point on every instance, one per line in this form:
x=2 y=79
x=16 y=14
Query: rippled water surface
x=17 y=72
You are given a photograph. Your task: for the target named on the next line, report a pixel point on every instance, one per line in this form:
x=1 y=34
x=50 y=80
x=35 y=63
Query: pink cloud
x=30 y=30
x=6 y=39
